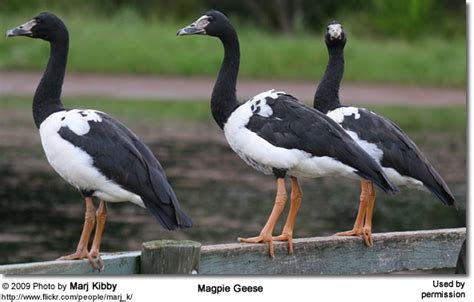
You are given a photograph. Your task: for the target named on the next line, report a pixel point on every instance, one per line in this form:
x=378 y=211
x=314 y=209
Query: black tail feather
x=435 y=183
x=169 y=217
x=165 y=206
x=445 y=196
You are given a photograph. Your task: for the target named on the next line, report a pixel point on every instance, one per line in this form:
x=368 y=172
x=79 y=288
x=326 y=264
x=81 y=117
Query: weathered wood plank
x=170 y=257
x=435 y=250
x=392 y=252
x=115 y=264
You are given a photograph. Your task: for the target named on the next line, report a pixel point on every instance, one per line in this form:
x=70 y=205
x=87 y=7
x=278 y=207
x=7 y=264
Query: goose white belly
x=76 y=166
x=400 y=180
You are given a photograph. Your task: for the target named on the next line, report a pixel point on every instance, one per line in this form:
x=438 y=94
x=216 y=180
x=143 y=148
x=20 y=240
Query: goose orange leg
x=367 y=230
x=101 y=217
x=287 y=233
x=89 y=221
x=266 y=233
x=363 y=222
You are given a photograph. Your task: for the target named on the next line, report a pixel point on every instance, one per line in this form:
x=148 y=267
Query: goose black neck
x=327 y=94
x=47 y=96
x=224 y=99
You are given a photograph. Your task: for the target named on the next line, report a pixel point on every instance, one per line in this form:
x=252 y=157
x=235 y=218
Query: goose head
x=335 y=35
x=212 y=23
x=46 y=26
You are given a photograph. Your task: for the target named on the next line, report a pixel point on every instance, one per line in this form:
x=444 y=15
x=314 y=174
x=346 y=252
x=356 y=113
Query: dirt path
x=199 y=88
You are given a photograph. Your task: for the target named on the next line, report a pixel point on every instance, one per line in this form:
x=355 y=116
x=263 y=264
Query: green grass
x=130 y=45
x=126 y=109
x=410 y=119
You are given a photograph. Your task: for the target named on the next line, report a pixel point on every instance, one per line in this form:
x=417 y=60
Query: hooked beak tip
x=15 y=32
x=190 y=30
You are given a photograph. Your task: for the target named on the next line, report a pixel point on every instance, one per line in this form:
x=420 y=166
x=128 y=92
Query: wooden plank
x=124 y=263
x=392 y=252
x=170 y=257
x=435 y=250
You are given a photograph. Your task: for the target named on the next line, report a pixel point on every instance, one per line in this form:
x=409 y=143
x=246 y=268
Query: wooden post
x=170 y=257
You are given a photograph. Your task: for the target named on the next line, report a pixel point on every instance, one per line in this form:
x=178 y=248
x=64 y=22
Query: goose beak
x=189 y=30
x=195 y=28
x=22 y=30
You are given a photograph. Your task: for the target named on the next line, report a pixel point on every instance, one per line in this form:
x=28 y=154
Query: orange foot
x=261 y=239
x=84 y=254
x=367 y=235
x=97 y=259
x=286 y=237
x=365 y=232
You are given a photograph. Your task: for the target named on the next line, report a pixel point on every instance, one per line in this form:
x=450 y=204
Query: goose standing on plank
x=275 y=134
x=398 y=155
x=92 y=151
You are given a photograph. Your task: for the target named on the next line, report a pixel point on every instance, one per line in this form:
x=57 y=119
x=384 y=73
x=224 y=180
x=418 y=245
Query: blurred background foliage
x=406 y=18
x=402 y=42
x=414 y=42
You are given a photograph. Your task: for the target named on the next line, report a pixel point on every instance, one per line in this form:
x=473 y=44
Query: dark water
x=41 y=216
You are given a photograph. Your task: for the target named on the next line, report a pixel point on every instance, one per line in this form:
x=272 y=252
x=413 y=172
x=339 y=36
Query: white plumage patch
x=263 y=156
x=370 y=148
x=338 y=114
x=401 y=180
x=258 y=104
x=315 y=166
x=78 y=120
x=74 y=164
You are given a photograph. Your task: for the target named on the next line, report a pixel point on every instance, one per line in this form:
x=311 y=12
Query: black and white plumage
x=101 y=157
x=91 y=150
x=276 y=134
x=401 y=160
x=280 y=133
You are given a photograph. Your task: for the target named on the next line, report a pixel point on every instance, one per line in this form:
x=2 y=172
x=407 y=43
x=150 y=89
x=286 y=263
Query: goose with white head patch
x=92 y=151
x=276 y=134
x=398 y=155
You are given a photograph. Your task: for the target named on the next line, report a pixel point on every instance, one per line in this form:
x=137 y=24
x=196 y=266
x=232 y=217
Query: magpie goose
x=276 y=134
x=401 y=160
x=92 y=151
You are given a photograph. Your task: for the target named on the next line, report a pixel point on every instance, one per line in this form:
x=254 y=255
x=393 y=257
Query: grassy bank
x=129 y=45
x=410 y=119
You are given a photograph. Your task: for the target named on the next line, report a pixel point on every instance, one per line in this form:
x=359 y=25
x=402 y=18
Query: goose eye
x=210 y=18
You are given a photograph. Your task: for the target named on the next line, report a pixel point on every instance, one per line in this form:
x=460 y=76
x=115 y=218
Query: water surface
x=41 y=215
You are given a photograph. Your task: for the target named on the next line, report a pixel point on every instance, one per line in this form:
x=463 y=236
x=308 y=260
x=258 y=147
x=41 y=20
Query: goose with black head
x=401 y=160
x=92 y=151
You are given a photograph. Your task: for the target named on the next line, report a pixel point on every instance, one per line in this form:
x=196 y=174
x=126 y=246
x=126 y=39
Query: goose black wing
x=293 y=125
x=120 y=156
x=399 y=151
